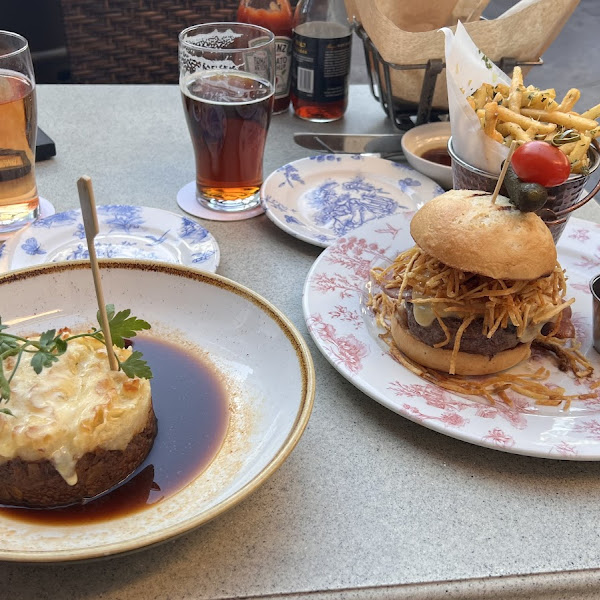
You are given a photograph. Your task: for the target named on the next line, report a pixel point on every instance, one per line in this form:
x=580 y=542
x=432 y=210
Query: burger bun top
x=464 y=230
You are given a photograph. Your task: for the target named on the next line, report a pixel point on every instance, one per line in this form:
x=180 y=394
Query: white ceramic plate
x=255 y=348
x=324 y=197
x=125 y=232
x=343 y=330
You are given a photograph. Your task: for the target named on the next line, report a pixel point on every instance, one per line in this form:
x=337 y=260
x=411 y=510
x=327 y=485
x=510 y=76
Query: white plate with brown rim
x=252 y=349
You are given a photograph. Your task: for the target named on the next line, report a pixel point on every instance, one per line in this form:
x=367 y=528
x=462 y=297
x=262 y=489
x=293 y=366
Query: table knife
x=344 y=143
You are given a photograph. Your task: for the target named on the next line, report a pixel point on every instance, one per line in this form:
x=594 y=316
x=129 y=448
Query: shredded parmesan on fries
x=451 y=292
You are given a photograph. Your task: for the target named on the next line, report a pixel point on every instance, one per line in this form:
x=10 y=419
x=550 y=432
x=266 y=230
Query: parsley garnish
x=52 y=345
x=486 y=61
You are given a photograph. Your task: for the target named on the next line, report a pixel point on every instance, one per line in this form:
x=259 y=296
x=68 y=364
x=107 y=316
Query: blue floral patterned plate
x=125 y=232
x=324 y=197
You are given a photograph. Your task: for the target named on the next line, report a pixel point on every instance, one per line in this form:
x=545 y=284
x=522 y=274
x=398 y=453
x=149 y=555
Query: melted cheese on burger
x=425 y=316
x=73 y=407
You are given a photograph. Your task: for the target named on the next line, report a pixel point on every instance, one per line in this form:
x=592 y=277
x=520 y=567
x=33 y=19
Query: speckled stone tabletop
x=369 y=504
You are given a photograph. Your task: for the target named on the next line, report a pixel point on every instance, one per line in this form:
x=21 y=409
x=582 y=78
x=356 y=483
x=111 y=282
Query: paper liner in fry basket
x=467 y=68
x=524 y=32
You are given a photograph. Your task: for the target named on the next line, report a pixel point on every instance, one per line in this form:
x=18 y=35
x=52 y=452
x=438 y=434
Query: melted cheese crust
x=76 y=406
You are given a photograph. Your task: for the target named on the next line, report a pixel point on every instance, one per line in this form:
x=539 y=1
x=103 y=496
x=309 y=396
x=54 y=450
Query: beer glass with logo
x=227 y=82
x=19 y=203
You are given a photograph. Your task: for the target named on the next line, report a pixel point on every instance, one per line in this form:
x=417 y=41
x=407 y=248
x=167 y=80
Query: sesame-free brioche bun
x=464 y=230
x=440 y=358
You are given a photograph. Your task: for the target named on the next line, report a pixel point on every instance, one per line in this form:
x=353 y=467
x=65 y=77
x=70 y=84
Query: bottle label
x=321 y=67
x=258 y=61
x=283 y=65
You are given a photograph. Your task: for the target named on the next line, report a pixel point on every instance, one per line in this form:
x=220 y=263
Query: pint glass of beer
x=227 y=82
x=19 y=203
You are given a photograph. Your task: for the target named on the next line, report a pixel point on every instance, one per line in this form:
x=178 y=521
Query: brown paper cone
x=523 y=33
x=419 y=15
x=467 y=10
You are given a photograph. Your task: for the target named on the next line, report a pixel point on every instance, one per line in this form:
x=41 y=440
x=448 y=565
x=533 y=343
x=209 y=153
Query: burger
x=479 y=287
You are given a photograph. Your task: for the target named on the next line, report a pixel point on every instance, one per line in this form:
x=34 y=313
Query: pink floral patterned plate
x=343 y=330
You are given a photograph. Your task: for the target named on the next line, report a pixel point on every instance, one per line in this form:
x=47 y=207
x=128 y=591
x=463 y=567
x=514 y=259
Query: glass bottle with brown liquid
x=320 y=60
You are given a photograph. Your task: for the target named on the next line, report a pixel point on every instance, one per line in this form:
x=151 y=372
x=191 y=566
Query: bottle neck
x=330 y=11
x=275 y=15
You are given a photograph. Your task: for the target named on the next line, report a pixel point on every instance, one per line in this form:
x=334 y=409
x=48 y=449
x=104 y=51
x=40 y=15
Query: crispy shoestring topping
x=498 y=303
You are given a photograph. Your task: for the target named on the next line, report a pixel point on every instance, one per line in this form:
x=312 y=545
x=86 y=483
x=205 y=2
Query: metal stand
x=400 y=112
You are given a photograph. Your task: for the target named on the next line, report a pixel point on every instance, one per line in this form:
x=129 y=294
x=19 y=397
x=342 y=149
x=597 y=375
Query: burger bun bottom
x=439 y=358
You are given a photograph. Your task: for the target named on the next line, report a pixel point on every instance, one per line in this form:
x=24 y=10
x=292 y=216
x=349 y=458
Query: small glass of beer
x=227 y=82
x=19 y=203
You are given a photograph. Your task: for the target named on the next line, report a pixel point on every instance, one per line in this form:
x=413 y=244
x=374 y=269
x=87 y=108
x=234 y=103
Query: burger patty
x=472 y=340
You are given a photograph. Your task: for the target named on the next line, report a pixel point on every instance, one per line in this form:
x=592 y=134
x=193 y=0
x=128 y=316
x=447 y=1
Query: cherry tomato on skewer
x=540 y=162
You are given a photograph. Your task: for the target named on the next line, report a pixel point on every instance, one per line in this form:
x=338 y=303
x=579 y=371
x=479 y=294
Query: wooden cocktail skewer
x=513 y=146
x=90 y=223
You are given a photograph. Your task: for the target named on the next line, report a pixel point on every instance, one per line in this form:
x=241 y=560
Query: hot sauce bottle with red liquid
x=320 y=60
x=277 y=16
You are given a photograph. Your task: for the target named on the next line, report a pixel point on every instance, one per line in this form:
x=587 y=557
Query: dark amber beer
x=228 y=115
x=227 y=82
x=19 y=202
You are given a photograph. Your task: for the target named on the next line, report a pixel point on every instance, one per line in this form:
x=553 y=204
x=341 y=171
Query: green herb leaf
x=4 y=386
x=122 y=325
x=7 y=344
x=6 y=412
x=51 y=347
x=486 y=61
x=41 y=359
x=47 y=338
x=135 y=366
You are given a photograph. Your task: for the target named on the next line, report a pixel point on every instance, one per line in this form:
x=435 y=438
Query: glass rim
x=215 y=25
x=17 y=36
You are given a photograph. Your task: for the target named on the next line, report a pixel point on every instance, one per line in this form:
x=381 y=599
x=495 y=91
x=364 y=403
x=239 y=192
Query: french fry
x=481 y=114
x=592 y=113
x=581 y=148
x=542 y=99
x=471 y=102
x=568 y=120
x=567 y=148
x=580 y=166
x=524 y=119
x=569 y=101
x=490 y=121
x=513 y=130
x=531 y=133
x=579 y=155
x=482 y=95
x=516 y=94
x=498 y=97
x=594 y=133
x=502 y=88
